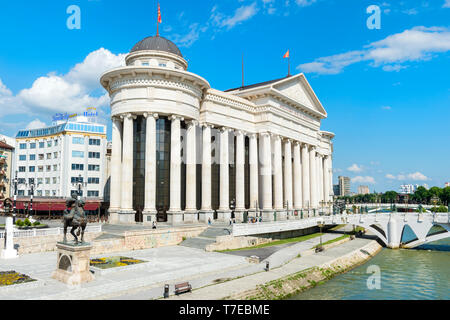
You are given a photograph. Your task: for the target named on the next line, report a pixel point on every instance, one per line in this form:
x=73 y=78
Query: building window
x=94 y=142
x=77 y=140
x=41 y=145
x=76 y=166
x=55 y=155
x=23 y=146
x=32 y=145
x=41 y=157
x=47 y=193
x=23 y=157
x=55 y=167
x=94 y=167
x=21 y=181
x=22 y=169
x=32 y=169
x=77 y=154
x=49 y=168
x=93 y=180
x=94 y=155
x=76 y=192
x=20 y=192
x=40 y=169
x=49 y=144
x=76 y=180
x=39 y=193
x=40 y=181
x=56 y=143
x=93 y=194
x=49 y=156
x=47 y=180
x=54 y=180
x=32 y=157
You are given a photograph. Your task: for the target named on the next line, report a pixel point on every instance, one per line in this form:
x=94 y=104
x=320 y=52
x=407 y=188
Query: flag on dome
x=286 y=55
x=159 y=14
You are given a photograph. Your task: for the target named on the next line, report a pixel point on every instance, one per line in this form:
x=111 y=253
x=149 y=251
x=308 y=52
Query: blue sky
x=387 y=90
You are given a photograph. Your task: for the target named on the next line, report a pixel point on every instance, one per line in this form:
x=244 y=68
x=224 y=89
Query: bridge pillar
x=393 y=233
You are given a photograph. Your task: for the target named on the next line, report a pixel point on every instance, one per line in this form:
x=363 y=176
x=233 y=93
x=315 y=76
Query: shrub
x=27 y=222
x=37 y=223
x=19 y=223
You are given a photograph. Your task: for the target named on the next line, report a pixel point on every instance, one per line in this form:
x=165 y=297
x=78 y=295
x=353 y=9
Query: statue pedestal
x=72 y=265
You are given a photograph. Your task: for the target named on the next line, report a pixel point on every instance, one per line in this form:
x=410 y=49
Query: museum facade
x=184 y=152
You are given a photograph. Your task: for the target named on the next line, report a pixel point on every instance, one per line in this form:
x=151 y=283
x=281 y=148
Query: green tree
x=421 y=195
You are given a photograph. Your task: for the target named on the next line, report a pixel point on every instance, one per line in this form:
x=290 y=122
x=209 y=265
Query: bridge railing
x=47 y=232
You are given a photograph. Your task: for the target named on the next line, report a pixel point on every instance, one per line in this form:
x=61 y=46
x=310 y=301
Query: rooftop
x=261 y=84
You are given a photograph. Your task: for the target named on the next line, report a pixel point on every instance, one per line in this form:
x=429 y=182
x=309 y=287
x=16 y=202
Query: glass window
x=32 y=157
x=40 y=181
x=32 y=145
x=49 y=168
x=77 y=154
x=49 y=144
x=94 y=155
x=56 y=143
x=76 y=179
x=94 y=167
x=55 y=167
x=32 y=169
x=41 y=169
x=93 y=193
x=55 y=155
x=41 y=145
x=77 y=140
x=23 y=157
x=94 y=142
x=41 y=157
x=76 y=166
x=93 y=180
x=49 y=156
x=47 y=180
x=22 y=169
x=23 y=146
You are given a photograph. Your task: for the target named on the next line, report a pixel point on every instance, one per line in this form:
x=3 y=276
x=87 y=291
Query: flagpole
x=157 y=22
x=242 y=70
x=289 y=65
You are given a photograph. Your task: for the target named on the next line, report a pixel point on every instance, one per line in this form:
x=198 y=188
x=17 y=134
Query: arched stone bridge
x=388 y=227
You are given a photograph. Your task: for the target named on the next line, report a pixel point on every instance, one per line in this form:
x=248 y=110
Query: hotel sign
x=90 y=113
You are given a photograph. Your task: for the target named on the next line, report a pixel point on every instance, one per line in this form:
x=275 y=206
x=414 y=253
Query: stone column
x=306 y=185
x=224 y=212
x=175 y=215
x=319 y=168
x=206 y=212
x=191 y=173
x=266 y=173
x=330 y=181
x=313 y=175
x=116 y=171
x=150 y=169
x=326 y=180
x=288 y=175
x=298 y=205
x=8 y=252
x=278 y=179
x=127 y=214
x=240 y=176
x=254 y=175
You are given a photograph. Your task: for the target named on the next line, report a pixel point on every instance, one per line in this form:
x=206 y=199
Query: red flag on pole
x=159 y=14
x=286 y=55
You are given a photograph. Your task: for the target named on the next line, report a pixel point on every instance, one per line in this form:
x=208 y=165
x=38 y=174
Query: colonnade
x=302 y=180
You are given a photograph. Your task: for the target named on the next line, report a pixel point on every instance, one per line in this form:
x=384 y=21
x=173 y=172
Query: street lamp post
x=79 y=183
x=15 y=199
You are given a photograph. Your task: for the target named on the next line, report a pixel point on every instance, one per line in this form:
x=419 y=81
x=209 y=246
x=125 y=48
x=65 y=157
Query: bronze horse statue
x=75 y=218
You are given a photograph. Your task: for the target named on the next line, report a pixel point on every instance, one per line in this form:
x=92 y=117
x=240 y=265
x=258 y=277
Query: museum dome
x=157 y=43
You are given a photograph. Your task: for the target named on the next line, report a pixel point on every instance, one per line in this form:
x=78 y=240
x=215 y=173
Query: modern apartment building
x=56 y=160
x=363 y=190
x=344 y=186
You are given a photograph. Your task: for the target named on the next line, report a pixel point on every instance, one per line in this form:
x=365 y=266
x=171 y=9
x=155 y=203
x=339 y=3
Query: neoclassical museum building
x=183 y=152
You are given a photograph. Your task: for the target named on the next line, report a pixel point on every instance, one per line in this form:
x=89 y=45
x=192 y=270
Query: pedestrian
x=209 y=221
x=154 y=225
x=231 y=221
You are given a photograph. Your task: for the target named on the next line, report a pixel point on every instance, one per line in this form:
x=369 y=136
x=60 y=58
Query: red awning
x=54 y=206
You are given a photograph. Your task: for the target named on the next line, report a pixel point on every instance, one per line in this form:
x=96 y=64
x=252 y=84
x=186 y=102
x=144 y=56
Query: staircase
x=207 y=237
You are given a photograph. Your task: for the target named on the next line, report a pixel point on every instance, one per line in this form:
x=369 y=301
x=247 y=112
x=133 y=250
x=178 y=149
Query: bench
x=182 y=288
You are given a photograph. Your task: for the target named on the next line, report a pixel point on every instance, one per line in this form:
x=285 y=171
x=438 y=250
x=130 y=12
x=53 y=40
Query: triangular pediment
x=298 y=89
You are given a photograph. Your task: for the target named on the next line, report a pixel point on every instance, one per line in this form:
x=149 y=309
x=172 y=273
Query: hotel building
x=184 y=152
x=55 y=159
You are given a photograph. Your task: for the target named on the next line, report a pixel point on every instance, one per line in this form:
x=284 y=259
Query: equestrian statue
x=74 y=217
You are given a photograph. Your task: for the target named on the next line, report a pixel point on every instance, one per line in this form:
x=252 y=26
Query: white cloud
x=417 y=176
x=241 y=14
x=386 y=108
x=304 y=3
x=74 y=91
x=188 y=39
x=446 y=4
x=355 y=168
x=416 y=44
x=360 y=179
x=36 y=124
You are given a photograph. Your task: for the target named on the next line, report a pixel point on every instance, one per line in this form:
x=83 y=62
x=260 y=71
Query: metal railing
x=47 y=232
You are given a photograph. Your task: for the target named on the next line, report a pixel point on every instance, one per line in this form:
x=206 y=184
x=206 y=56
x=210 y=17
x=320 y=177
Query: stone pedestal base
x=72 y=265
x=127 y=217
x=9 y=254
x=268 y=215
x=113 y=216
x=281 y=216
x=190 y=217
x=149 y=217
x=204 y=216
x=175 y=218
x=224 y=216
x=239 y=216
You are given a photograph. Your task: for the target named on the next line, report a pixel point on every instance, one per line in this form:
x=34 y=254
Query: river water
x=419 y=274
